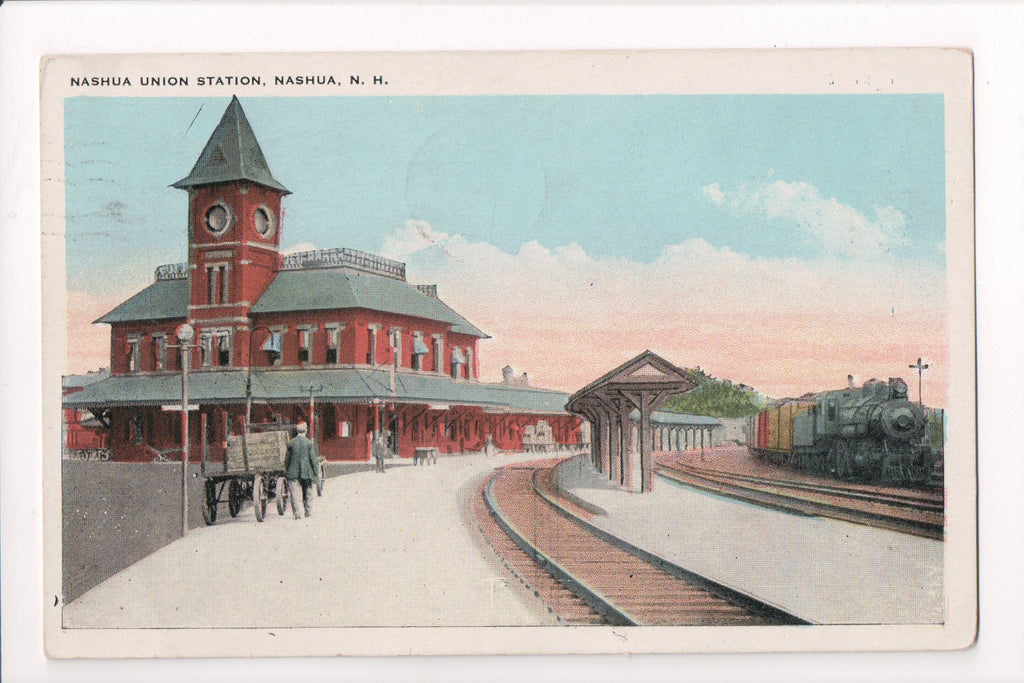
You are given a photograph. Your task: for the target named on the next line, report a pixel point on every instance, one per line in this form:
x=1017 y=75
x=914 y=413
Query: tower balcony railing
x=172 y=271
x=309 y=260
x=344 y=258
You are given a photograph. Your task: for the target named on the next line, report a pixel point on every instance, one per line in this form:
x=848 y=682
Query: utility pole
x=185 y=333
x=920 y=367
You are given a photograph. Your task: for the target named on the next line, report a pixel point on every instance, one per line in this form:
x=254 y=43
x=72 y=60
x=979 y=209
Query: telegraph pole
x=920 y=367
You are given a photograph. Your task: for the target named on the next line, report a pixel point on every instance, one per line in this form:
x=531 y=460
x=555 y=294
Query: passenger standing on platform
x=301 y=470
x=378 y=451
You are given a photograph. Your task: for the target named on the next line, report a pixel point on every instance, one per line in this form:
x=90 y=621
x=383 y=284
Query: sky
x=782 y=241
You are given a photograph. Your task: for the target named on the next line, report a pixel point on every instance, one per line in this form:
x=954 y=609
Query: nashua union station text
x=338 y=331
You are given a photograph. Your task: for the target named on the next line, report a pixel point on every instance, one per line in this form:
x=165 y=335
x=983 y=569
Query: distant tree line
x=716 y=398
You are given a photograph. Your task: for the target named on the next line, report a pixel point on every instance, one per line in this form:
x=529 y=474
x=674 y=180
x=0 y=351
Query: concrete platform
x=397 y=549
x=822 y=570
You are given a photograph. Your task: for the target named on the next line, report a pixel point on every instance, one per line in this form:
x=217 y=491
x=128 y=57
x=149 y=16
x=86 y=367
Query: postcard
x=508 y=353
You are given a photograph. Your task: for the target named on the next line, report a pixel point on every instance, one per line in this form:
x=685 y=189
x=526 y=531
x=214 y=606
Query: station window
x=438 y=359
x=133 y=354
x=159 y=352
x=371 y=345
x=206 y=348
x=273 y=348
x=333 y=343
x=419 y=350
x=344 y=429
x=458 y=360
x=395 y=340
x=304 y=345
x=224 y=349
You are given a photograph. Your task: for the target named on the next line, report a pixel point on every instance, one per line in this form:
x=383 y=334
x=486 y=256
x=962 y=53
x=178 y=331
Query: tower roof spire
x=231 y=153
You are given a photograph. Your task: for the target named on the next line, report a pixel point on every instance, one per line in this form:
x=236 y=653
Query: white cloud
x=783 y=325
x=714 y=193
x=838 y=228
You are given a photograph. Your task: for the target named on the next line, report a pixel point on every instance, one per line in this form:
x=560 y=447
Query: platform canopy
x=642 y=384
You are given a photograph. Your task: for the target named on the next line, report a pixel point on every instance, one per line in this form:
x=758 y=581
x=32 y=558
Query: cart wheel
x=234 y=497
x=210 y=504
x=259 y=497
x=282 y=495
x=320 y=482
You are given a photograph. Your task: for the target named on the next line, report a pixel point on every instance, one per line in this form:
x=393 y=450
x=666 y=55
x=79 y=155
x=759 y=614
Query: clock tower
x=234 y=232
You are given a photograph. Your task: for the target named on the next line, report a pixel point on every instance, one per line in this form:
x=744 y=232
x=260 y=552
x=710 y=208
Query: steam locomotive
x=869 y=433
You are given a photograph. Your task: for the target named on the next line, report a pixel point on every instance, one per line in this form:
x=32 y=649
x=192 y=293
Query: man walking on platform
x=379 y=451
x=301 y=471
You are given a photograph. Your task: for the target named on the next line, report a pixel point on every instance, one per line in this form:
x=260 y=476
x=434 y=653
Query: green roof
x=334 y=288
x=231 y=153
x=161 y=300
x=341 y=385
x=303 y=290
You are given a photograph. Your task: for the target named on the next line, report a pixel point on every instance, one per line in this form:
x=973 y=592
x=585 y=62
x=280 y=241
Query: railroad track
x=920 y=514
x=587 y=576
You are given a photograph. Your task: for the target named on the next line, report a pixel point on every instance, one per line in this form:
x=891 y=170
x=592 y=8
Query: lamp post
x=248 y=376
x=248 y=395
x=920 y=367
x=313 y=388
x=185 y=333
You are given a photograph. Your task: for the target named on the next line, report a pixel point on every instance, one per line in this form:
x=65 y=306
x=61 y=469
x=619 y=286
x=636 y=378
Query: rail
x=606 y=609
x=735 y=596
x=725 y=485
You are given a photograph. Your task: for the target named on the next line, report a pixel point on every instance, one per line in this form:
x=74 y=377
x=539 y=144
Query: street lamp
x=248 y=395
x=185 y=334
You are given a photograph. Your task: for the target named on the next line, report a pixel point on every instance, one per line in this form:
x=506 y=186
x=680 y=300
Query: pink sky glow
x=783 y=326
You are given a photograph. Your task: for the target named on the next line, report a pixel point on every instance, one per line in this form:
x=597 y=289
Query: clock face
x=219 y=218
x=265 y=220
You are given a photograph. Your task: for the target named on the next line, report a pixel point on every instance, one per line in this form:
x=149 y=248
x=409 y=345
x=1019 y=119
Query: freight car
x=869 y=433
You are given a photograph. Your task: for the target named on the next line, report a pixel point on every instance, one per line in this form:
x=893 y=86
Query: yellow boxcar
x=780 y=425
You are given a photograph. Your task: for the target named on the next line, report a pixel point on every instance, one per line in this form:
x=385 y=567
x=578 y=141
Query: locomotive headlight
x=901 y=419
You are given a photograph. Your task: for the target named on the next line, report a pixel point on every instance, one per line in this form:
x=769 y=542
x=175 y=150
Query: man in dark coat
x=301 y=470
x=379 y=448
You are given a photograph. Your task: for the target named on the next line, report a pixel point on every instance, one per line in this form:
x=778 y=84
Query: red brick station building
x=338 y=329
